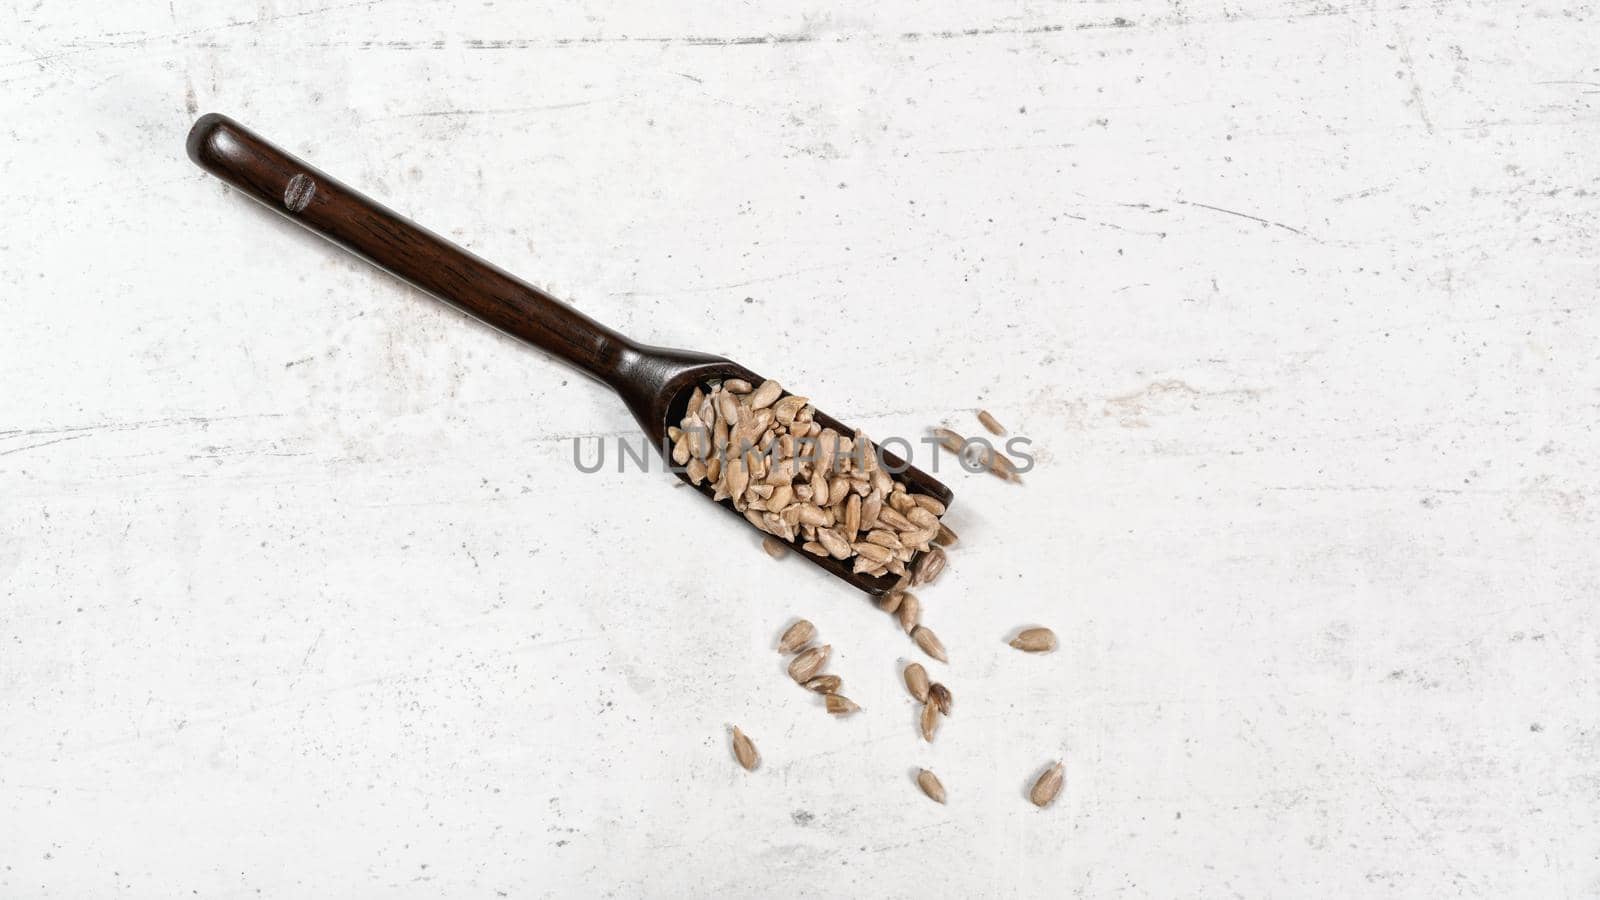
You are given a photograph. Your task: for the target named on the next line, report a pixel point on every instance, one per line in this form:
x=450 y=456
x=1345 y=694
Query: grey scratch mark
x=306 y=660
x=746 y=40
x=1547 y=494
x=688 y=76
x=1365 y=193
x=80 y=47
x=1114 y=227
x=70 y=437
x=1008 y=148
x=1118 y=22
x=1247 y=216
x=133 y=426
x=690 y=40
x=984 y=32
x=1411 y=76
x=582 y=436
x=506 y=111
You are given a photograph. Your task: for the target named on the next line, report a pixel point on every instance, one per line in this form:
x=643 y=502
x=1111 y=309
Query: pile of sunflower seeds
x=805 y=483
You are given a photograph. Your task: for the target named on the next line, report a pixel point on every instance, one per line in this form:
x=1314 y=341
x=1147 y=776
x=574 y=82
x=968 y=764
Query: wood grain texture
x=1292 y=298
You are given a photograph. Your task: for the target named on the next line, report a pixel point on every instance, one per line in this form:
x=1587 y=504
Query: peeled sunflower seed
x=840 y=706
x=766 y=394
x=796 y=636
x=929 y=566
x=1002 y=466
x=869 y=511
x=837 y=547
x=929 y=642
x=890 y=602
x=883 y=538
x=910 y=611
x=949 y=440
x=805 y=667
x=893 y=518
x=990 y=422
x=1035 y=640
x=930 y=785
x=1047 y=787
x=774 y=547
x=874 y=553
x=825 y=684
x=786 y=409
x=940 y=695
x=745 y=751
x=945 y=537
x=917 y=681
x=930 y=720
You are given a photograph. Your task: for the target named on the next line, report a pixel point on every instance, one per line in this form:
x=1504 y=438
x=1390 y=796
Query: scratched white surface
x=303 y=597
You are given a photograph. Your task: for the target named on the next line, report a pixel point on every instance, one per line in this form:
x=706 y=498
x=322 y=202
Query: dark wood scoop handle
x=388 y=240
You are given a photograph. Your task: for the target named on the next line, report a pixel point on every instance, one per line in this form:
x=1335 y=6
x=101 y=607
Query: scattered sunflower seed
x=1035 y=640
x=774 y=547
x=990 y=423
x=945 y=537
x=1002 y=466
x=910 y=611
x=1047 y=787
x=949 y=440
x=745 y=751
x=940 y=695
x=825 y=684
x=917 y=681
x=805 y=667
x=930 y=720
x=840 y=706
x=930 y=785
x=796 y=636
x=929 y=642
x=891 y=601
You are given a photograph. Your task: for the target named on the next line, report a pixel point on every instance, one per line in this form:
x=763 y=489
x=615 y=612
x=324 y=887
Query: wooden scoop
x=655 y=382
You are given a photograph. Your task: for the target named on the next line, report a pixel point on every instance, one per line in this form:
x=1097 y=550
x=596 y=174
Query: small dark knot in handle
x=299 y=192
